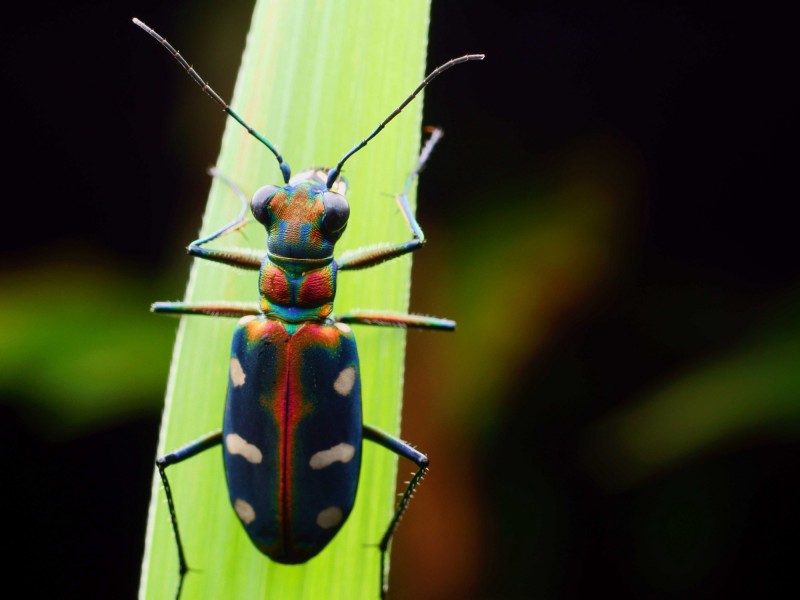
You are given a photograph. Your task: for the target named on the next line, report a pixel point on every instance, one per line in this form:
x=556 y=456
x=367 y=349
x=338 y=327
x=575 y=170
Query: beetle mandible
x=292 y=428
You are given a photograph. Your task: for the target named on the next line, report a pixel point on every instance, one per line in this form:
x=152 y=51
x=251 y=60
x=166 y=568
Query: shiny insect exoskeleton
x=292 y=429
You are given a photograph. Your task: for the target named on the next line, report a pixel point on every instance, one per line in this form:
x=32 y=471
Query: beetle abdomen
x=292 y=434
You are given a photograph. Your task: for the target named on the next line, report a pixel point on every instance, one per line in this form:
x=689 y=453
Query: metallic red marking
x=316 y=289
x=274 y=286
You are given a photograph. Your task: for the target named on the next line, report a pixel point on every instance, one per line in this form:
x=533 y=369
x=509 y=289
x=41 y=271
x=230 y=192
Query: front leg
x=234 y=257
x=369 y=256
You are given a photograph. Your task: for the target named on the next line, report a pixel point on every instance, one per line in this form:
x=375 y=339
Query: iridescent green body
x=292 y=429
x=294 y=393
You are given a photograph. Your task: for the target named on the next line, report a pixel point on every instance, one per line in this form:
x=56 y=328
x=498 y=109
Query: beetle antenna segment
x=334 y=173
x=285 y=170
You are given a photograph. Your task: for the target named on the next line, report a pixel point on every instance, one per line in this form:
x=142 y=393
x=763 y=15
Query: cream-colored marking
x=329 y=517
x=345 y=381
x=247 y=319
x=237 y=374
x=343 y=327
x=238 y=445
x=340 y=452
x=245 y=511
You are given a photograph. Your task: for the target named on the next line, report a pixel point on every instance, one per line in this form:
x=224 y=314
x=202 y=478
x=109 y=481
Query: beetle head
x=303 y=219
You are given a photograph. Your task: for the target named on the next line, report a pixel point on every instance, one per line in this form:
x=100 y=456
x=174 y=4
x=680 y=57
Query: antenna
x=334 y=173
x=285 y=170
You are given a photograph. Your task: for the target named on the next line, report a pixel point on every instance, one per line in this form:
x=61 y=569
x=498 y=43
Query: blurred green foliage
x=79 y=349
x=743 y=393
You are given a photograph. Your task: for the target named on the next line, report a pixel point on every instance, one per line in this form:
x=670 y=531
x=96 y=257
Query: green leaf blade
x=316 y=78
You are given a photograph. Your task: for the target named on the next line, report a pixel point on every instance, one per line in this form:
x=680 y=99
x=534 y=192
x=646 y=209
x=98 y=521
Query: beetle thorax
x=296 y=291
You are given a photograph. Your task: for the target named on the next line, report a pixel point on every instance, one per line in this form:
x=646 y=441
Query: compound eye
x=337 y=211
x=260 y=202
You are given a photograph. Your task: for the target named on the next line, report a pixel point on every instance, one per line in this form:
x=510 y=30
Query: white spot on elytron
x=245 y=511
x=237 y=374
x=329 y=517
x=236 y=444
x=345 y=381
x=339 y=453
x=343 y=327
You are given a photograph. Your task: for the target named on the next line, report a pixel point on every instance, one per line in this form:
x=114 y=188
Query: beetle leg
x=188 y=451
x=369 y=256
x=393 y=319
x=234 y=257
x=242 y=258
x=222 y=308
x=400 y=448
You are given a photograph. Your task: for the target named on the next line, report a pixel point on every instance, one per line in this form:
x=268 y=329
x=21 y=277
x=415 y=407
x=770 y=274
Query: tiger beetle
x=292 y=428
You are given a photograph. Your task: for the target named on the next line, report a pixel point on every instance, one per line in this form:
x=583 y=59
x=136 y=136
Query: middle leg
x=394 y=319
x=223 y=308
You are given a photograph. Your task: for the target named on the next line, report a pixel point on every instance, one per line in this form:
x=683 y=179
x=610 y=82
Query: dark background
x=684 y=112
